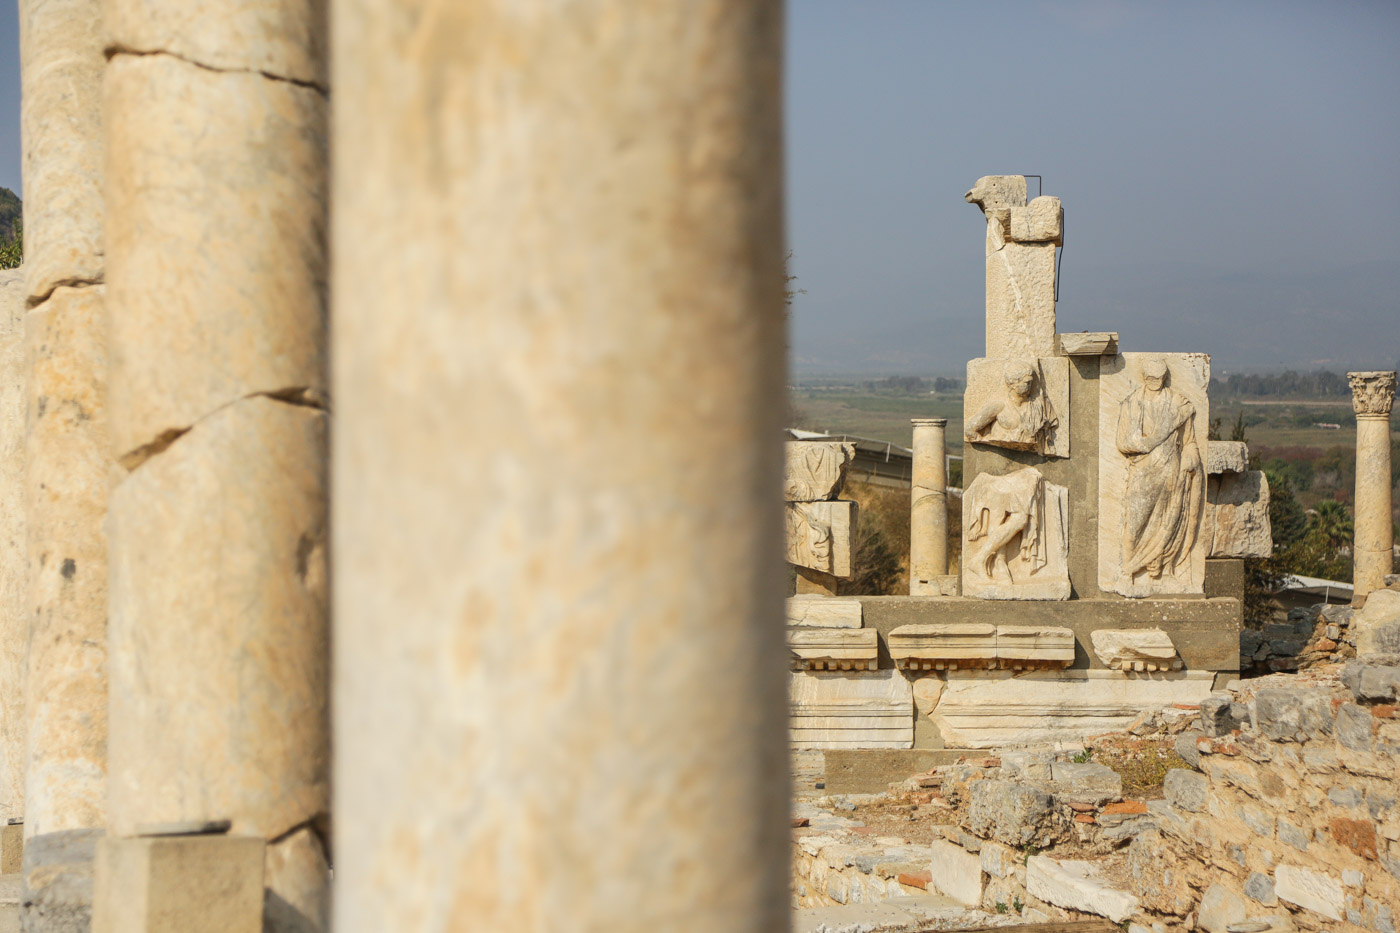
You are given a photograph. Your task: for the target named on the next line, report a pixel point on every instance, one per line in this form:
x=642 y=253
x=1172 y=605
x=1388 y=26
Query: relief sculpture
x=1016 y=537
x=1153 y=484
x=1019 y=413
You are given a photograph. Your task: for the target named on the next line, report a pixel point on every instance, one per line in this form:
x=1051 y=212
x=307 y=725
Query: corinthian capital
x=1372 y=393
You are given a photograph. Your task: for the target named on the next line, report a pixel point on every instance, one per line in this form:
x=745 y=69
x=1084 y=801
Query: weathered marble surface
x=928 y=507
x=1226 y=457
x=872 y=709
x=1020 y=275
x=834 y=648
x=1373 y=394
x=1089 y=343
x=1034 y=645
x=1149 y=649
x=1020 y=404
x=823 y=611
x=987 y=709
x=1015 y=537
x=816 y=470
x=821 y=535
x=965 y=644
x=14 y=592
x=1237 y=515
x=1041 y=220
x=1153 y=416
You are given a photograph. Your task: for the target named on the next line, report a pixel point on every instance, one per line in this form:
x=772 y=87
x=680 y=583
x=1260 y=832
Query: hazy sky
x=1228 y=171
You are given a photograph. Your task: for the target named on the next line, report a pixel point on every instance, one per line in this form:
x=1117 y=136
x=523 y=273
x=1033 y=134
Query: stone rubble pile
x=1285 y=818
x=1311 y=636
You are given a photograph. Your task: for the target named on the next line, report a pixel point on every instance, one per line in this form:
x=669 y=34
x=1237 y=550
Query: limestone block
x=927 y=690
x=1153 y=415
x=1221 y=907
x=1020 y=404
x=1226 y=457
x=1089 y=343
x=11 y=848
x=216 y=243
x=1016 y=537
x=949 y=584
x=1311 y=890
x=296 y=869
x=991 y=709
x=833 y=649
x=1020 y=298
x=816 y=470
x=61 y=118
x=14 y=580
x=1077 y=885
x=956 y=872
x=66 y=471
x=179 y=884
x=821 y=536
x=1141 y=649
x=943 y=646
x=1039 y=221
x=1034 y=647
x=220 y=650
x=1376 y=626
x=874 y=709
x=1237 y=515
x=823 y=611
x=285 y=39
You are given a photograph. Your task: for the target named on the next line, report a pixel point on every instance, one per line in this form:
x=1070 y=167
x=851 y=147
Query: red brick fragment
x=1194 y=706
x=1384 y=711
x=1229 y=748
x=800 y=821
x=915 y=879
x=988 y=762
x=1127 y=806
x=1084 y=818
x=865 y=830
x=1325 y=644
x=1357 y=835
x=1082 y=807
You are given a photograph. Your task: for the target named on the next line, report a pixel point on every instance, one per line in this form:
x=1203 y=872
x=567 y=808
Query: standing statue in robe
x=1164 y=501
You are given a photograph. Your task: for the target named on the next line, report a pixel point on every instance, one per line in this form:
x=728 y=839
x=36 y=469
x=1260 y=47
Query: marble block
x=991 y=709
x=1026 y=647
x=1089 y=343
x=1039 y=221
x=816 y=470
x=873 y=709
x=1226 y=457
x=823 y=611
x=1143 y=649
x=943 y=646
x=843 y=649
x=1237 y=515
x=821 y=536
x=1020 y=275
x=1020 y=404
x=1016 y=537
x=1153 y=415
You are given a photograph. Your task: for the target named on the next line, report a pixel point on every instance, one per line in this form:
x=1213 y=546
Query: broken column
x=928 y=517
x=558 y=241
x=216 y=245
x=66 y=458
x=1372 y=394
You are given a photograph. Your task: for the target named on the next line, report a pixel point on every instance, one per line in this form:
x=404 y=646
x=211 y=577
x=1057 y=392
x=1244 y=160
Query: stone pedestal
x=928 y=508
x=179 y=884
x=554 y=233
x=1372 y=394
x=66 y=458
x=216 y=245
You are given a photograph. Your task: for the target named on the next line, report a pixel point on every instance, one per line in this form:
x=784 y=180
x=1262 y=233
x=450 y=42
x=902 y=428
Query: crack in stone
x=34 y=301
x=112 y=51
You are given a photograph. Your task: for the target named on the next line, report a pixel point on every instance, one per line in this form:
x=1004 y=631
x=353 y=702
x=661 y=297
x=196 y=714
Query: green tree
x=12 y=249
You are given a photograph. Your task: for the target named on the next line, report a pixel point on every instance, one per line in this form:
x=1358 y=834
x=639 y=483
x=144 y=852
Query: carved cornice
x=1372 y=393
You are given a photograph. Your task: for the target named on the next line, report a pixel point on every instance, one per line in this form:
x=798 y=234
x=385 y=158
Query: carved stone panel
x=834 y=709
x=1018 y=404
x=823 y=611
x=1237 y=515
x=1016 y=537
x=845 y=649
x=1153 y=414
x=821 y=536
x=816 y=470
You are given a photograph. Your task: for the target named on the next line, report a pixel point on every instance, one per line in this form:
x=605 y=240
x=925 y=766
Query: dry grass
x=1141 y=763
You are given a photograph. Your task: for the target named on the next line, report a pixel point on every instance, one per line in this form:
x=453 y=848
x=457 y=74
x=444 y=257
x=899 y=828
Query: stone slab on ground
x=913 y=914
x=1077 y=885
x=956 y=872
x=873 y=770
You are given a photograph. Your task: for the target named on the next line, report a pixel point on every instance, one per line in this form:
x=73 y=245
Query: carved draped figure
x=1021 y=493
x=1162 y=509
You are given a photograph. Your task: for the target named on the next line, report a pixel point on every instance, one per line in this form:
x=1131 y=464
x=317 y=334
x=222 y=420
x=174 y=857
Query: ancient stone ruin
x=1098 y=611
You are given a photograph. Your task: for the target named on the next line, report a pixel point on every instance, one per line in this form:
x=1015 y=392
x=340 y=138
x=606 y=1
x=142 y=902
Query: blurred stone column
x=928 y=516
x=14 y=569
x=1372 y=395
x=66 y=458
x=560 y=679
x=217 y=200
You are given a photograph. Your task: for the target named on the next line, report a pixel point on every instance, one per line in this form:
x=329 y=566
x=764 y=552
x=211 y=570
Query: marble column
x=217 y=175
x=560 y=685
x=928 y=515
x=66 y=458
x=14 y=569
x=1372 y=394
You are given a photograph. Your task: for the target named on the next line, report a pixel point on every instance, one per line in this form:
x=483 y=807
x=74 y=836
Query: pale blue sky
x=1228 y=170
